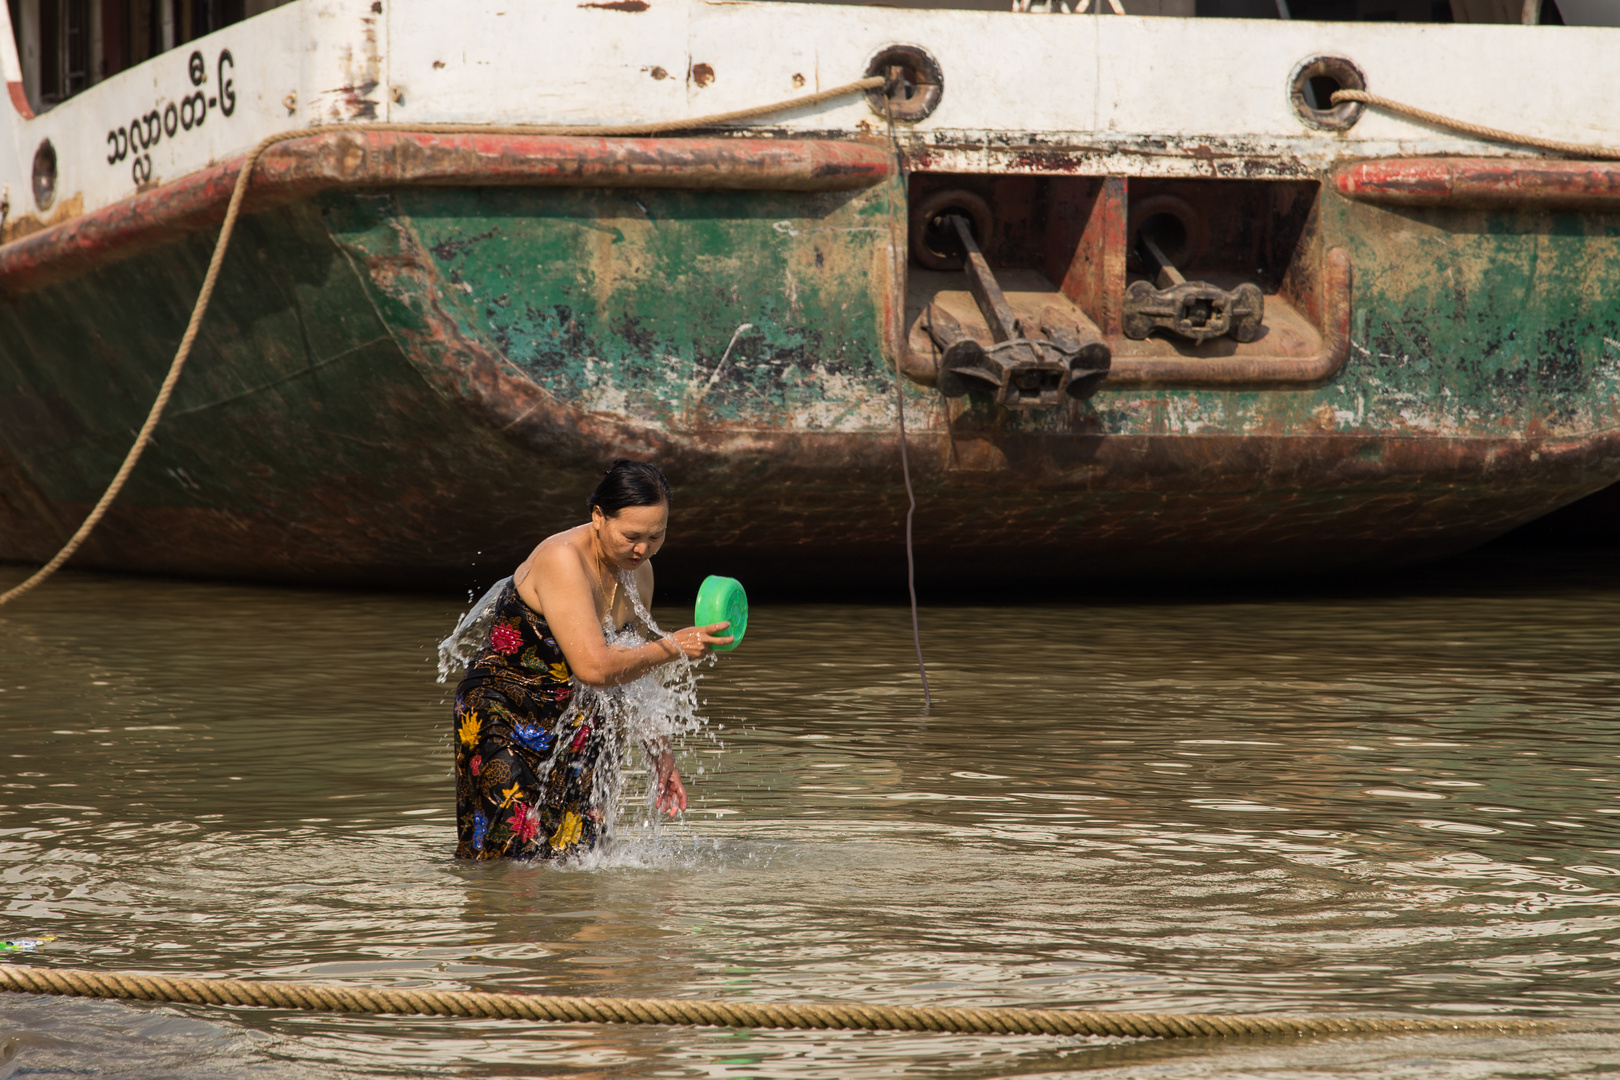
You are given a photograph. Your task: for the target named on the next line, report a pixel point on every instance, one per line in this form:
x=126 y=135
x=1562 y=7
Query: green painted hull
x=410 y=386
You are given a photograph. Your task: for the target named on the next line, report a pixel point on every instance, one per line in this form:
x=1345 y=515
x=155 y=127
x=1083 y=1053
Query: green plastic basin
x=722 y=599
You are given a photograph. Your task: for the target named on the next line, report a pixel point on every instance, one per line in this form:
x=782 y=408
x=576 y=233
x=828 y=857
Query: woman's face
x=633 y=536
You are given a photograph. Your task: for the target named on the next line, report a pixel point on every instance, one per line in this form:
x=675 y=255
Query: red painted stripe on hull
x=361 y=159
x=19 y=100
x=1483 y=183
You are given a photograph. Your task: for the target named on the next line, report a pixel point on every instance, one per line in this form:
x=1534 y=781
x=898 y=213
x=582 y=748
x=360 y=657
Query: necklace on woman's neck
x=601 y=561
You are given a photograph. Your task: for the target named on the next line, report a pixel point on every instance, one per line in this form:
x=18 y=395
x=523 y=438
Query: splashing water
x=638 y=719
x=470 y=634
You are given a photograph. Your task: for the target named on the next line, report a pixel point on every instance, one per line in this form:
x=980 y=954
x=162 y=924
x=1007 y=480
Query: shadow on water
x=1394 y=794
x=1527 y=562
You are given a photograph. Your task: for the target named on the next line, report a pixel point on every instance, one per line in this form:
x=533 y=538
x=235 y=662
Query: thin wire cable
x=900 y=400
x=144 y=437
x=911 y=565
x=1479 y=131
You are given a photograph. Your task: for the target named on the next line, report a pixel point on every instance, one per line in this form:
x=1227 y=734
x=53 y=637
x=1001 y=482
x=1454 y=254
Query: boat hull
x=406 y=379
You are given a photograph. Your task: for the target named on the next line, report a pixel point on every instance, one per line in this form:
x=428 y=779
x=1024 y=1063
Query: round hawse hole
x=1173 y=225
x=1311 y=90
x=915 y=83
x=935 y=242
x=1168 y=233
x=1319 y=91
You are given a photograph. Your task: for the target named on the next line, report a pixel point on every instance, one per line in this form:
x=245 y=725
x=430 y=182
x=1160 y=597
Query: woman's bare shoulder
x=559 y=550
x=556 y=558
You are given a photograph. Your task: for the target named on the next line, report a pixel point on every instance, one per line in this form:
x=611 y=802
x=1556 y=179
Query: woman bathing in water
x=526 y=763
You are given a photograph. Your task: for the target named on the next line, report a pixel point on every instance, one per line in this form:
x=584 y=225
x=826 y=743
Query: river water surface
x=1403 y=802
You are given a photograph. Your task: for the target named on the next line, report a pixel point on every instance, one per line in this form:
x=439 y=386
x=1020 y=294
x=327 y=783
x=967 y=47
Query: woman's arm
x=567 y=600
x=669 y=794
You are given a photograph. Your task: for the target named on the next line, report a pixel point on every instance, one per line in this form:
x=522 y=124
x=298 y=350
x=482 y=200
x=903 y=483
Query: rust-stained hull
x=424 y=350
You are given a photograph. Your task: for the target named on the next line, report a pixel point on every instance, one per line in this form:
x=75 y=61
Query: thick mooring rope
x=166 y=391
x=315 y=997
x=1578 y=150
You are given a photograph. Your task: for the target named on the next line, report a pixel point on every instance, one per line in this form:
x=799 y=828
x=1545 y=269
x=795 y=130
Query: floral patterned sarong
x=525 y=764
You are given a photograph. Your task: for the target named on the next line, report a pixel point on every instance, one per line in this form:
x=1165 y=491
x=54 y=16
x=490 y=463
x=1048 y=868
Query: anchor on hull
x=1030 y=363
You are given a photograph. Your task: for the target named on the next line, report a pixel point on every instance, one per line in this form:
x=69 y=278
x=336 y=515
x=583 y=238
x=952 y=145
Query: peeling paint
x=409 y=358
x=66 y=209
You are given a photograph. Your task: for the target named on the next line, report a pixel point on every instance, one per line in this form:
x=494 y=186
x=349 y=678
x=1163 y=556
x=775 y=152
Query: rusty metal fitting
x=1190 y=309
x=1171 y=222
x=1019 y=373
x=934 y=243
x=1311 y=88
x=914 y=83
x=1194 y=309
x=1082 y=346
x=1022 y=362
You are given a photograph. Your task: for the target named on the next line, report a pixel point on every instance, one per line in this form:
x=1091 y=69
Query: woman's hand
x=671 y=792
x=694 y=641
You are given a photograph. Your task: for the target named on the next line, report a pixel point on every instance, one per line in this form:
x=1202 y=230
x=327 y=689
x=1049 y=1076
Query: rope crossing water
x=144 y=438
x=316 y=997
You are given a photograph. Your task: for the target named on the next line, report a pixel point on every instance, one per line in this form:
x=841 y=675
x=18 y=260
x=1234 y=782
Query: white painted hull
x=1117 y=95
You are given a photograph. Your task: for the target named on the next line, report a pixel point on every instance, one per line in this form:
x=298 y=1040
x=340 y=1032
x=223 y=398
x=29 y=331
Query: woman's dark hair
x=629 y=483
